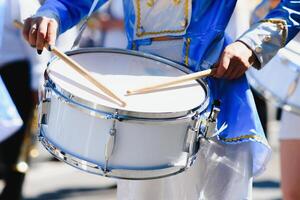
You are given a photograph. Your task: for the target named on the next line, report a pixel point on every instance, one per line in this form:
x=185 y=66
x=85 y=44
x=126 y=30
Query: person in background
x=20 y=69
x=106 y=27
x=289 y=137
x=10 y=121
x=289 y=133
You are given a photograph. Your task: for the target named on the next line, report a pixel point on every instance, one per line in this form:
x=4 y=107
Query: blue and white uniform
x=200 y=25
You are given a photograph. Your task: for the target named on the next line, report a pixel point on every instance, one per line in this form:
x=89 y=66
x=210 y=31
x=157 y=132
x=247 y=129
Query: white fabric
x=14 y=47
x=12 y=43
x=289 y=126
x=116 y=38
x=151 y=21
x=10 y=121
x=240 y=19
x=221 y=171
x=65 y=41
x=161 y=49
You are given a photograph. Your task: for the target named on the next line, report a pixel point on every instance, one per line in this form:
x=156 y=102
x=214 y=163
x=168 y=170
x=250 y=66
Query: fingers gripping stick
x=81 y=70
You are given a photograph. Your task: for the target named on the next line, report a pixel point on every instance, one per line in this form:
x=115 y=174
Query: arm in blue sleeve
x=67 y=12
x=266 y=37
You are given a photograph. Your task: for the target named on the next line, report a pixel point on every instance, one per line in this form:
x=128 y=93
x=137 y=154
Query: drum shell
x=138 y=145
x=146 y=145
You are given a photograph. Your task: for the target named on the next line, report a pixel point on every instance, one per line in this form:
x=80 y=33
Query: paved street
x=50 y=180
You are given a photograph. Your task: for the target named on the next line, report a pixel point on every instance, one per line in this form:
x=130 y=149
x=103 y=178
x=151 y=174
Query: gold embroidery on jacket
x=281 y=24
x=139 y=27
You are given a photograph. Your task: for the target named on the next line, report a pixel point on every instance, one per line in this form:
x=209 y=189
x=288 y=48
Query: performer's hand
x=235 y=61
x=40 y=30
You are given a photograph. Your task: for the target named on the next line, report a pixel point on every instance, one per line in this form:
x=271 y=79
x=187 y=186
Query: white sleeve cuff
x=265 y=39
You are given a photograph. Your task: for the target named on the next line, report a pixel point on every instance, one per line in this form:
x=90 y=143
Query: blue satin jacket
x=204 y=41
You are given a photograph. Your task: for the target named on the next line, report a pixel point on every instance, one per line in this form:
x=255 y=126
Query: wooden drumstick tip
x=129 y=92
x=173 y=81
x=123 y=104
x=18 y=24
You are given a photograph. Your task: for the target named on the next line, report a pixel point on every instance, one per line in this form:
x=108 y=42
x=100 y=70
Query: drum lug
x=109 y=147
x=211 y=122
x=192 y=136
x=44 y=106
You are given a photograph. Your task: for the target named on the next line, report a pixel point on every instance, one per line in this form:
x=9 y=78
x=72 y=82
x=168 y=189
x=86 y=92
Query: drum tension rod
x=192 y=135
x=109 y=146
x=212 y=119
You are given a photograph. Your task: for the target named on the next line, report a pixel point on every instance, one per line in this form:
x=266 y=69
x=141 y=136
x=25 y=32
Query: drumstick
x=174 y=81
x=77 y=67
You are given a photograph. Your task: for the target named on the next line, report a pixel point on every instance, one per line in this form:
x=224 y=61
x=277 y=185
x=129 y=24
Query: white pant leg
x=290 y=126
x=221 y=171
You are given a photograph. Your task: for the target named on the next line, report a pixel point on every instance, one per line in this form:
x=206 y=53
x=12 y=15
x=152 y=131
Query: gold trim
x=254 y=137
x=281 y=24
x=139 y=26
x=176 y=2
x=134 y=46
x=151 y=3
x=187 y=49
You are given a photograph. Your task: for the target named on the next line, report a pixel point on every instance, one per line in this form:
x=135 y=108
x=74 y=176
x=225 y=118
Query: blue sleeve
x=67 y=12
x=289 y=11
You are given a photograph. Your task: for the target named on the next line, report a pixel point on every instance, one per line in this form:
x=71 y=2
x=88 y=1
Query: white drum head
x=122 y=70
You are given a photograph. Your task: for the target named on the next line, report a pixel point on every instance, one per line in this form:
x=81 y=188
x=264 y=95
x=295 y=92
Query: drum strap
x=83 y=26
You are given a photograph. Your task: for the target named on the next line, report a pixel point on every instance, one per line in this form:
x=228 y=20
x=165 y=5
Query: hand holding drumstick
x=75 y=66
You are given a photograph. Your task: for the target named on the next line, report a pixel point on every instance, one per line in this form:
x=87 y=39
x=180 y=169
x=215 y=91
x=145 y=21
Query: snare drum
x=279 y=80
x=155 y=135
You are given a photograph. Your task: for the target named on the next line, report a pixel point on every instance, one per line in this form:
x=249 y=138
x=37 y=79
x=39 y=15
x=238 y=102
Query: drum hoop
x=271 y=96
x=283 y=54
x=96 y=169
x=109 y=112
x=113 y=115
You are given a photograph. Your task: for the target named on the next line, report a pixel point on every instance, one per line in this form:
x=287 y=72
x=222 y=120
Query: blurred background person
x=240 y=18
x=289 y=133
x=20 y=69
x=10 y=121
x=106 y=27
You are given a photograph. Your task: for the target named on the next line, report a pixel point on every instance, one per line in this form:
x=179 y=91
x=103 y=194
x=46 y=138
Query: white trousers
x=290 y=126
x=221 y=171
